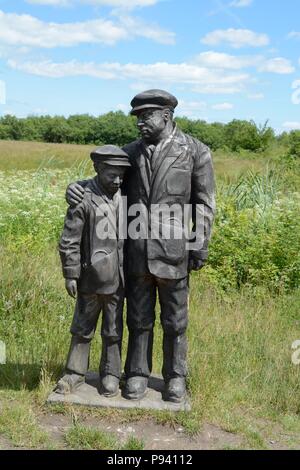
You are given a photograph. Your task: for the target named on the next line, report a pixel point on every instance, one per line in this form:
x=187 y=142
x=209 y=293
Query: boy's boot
x=110 y=367
x=76 y=367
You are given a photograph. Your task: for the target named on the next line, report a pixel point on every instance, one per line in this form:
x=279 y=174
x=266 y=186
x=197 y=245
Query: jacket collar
x=170 y=147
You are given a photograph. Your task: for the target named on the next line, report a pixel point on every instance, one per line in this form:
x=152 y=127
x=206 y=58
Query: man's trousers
x=141 y=300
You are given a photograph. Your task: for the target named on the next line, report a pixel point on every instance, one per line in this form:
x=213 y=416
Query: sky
x=222 y=59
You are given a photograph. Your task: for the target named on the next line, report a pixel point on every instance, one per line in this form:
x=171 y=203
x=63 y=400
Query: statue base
x=88 y=395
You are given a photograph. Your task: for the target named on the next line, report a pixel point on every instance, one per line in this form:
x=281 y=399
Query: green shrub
x=294 y=150
x=247 y=135
x=258 y=245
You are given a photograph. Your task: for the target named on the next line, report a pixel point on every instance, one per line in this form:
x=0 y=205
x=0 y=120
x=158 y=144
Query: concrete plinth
x=88 y=394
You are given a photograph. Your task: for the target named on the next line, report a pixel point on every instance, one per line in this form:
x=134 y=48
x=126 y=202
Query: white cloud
x=278 y=65
x=39 y=111
x=222 y=106
x=201 y=79
x=150 y=31
x=241 y=3
x=191 y=109
x=123 y=107
x=291 y=125
x=2 y=92
x=124 y=4
x=221 y=60
x=236 y=38
x=294 y=34
x=139 y=86
x=58 y=3
x=217 y=89
x=256 y=96
x=26 y=30
x=226 y=61
x=8 y=111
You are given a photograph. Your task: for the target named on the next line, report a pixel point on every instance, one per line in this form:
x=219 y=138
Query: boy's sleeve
x=70 y=241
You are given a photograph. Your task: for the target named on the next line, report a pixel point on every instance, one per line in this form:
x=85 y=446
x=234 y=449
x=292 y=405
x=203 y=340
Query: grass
x=86 y=438
x=33 y=155
x=240 y=368
x=82 y=437
x=18 y=423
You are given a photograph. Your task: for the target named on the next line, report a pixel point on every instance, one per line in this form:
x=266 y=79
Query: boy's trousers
x=87 y=311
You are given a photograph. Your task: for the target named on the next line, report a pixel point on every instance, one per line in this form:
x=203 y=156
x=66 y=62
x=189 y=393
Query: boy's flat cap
x=153 y=99
x=110 y=155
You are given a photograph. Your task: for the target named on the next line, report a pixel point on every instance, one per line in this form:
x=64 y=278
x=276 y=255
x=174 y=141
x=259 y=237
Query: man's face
x=110 y=177
x=151 y=122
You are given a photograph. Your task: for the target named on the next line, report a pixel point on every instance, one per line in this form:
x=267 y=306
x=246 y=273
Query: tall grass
x=253 y=190
x=32 y=155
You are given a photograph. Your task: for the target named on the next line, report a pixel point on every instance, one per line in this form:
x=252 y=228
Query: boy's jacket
x=95 y=262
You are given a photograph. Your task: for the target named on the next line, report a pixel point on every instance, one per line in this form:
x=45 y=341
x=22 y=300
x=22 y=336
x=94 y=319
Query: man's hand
x=74 y=194
x=195 y=264
x=71 y=286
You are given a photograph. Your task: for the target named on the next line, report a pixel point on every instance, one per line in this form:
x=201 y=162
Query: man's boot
x=76 y=367
x=174 y=367
x=109 y=385
x=175 y=390
x=138 y=364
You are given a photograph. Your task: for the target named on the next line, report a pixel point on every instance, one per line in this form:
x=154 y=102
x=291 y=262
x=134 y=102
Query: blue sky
x=223 y=59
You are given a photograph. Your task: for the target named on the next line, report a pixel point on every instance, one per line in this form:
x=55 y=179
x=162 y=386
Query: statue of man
x=167 y=167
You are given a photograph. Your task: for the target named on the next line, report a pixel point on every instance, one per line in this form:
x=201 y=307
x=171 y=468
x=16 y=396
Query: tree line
x=118 y=128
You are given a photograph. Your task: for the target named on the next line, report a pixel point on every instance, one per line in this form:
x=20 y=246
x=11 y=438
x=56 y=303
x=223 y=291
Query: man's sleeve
x=203 y=200
x=82 y=183
x=70 y=241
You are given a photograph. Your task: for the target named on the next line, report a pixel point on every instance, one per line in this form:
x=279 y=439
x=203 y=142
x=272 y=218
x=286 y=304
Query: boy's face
x=110 y=177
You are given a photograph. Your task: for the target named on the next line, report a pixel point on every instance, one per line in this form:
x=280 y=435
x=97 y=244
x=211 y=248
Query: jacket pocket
x=101 y=272
x=178 y=182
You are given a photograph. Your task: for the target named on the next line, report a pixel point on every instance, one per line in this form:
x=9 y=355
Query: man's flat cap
x=153 y=99
x=110 y=155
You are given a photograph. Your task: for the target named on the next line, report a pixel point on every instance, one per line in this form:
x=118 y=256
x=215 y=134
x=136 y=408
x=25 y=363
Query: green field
x=244 y=305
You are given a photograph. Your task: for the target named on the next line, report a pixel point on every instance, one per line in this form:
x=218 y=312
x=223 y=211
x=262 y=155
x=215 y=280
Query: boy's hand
x=71 y=286
x=74 y=194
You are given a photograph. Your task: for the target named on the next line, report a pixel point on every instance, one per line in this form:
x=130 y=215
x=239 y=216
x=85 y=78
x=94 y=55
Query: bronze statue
x=167 y=167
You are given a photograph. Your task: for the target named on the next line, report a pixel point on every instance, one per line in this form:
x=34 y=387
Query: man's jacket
x=89 y=247
x=182 y=174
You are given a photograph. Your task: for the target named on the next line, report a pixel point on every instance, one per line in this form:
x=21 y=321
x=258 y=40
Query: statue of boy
x=92 y=262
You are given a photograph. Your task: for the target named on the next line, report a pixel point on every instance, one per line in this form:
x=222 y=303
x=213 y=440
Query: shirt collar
x=151 y=147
